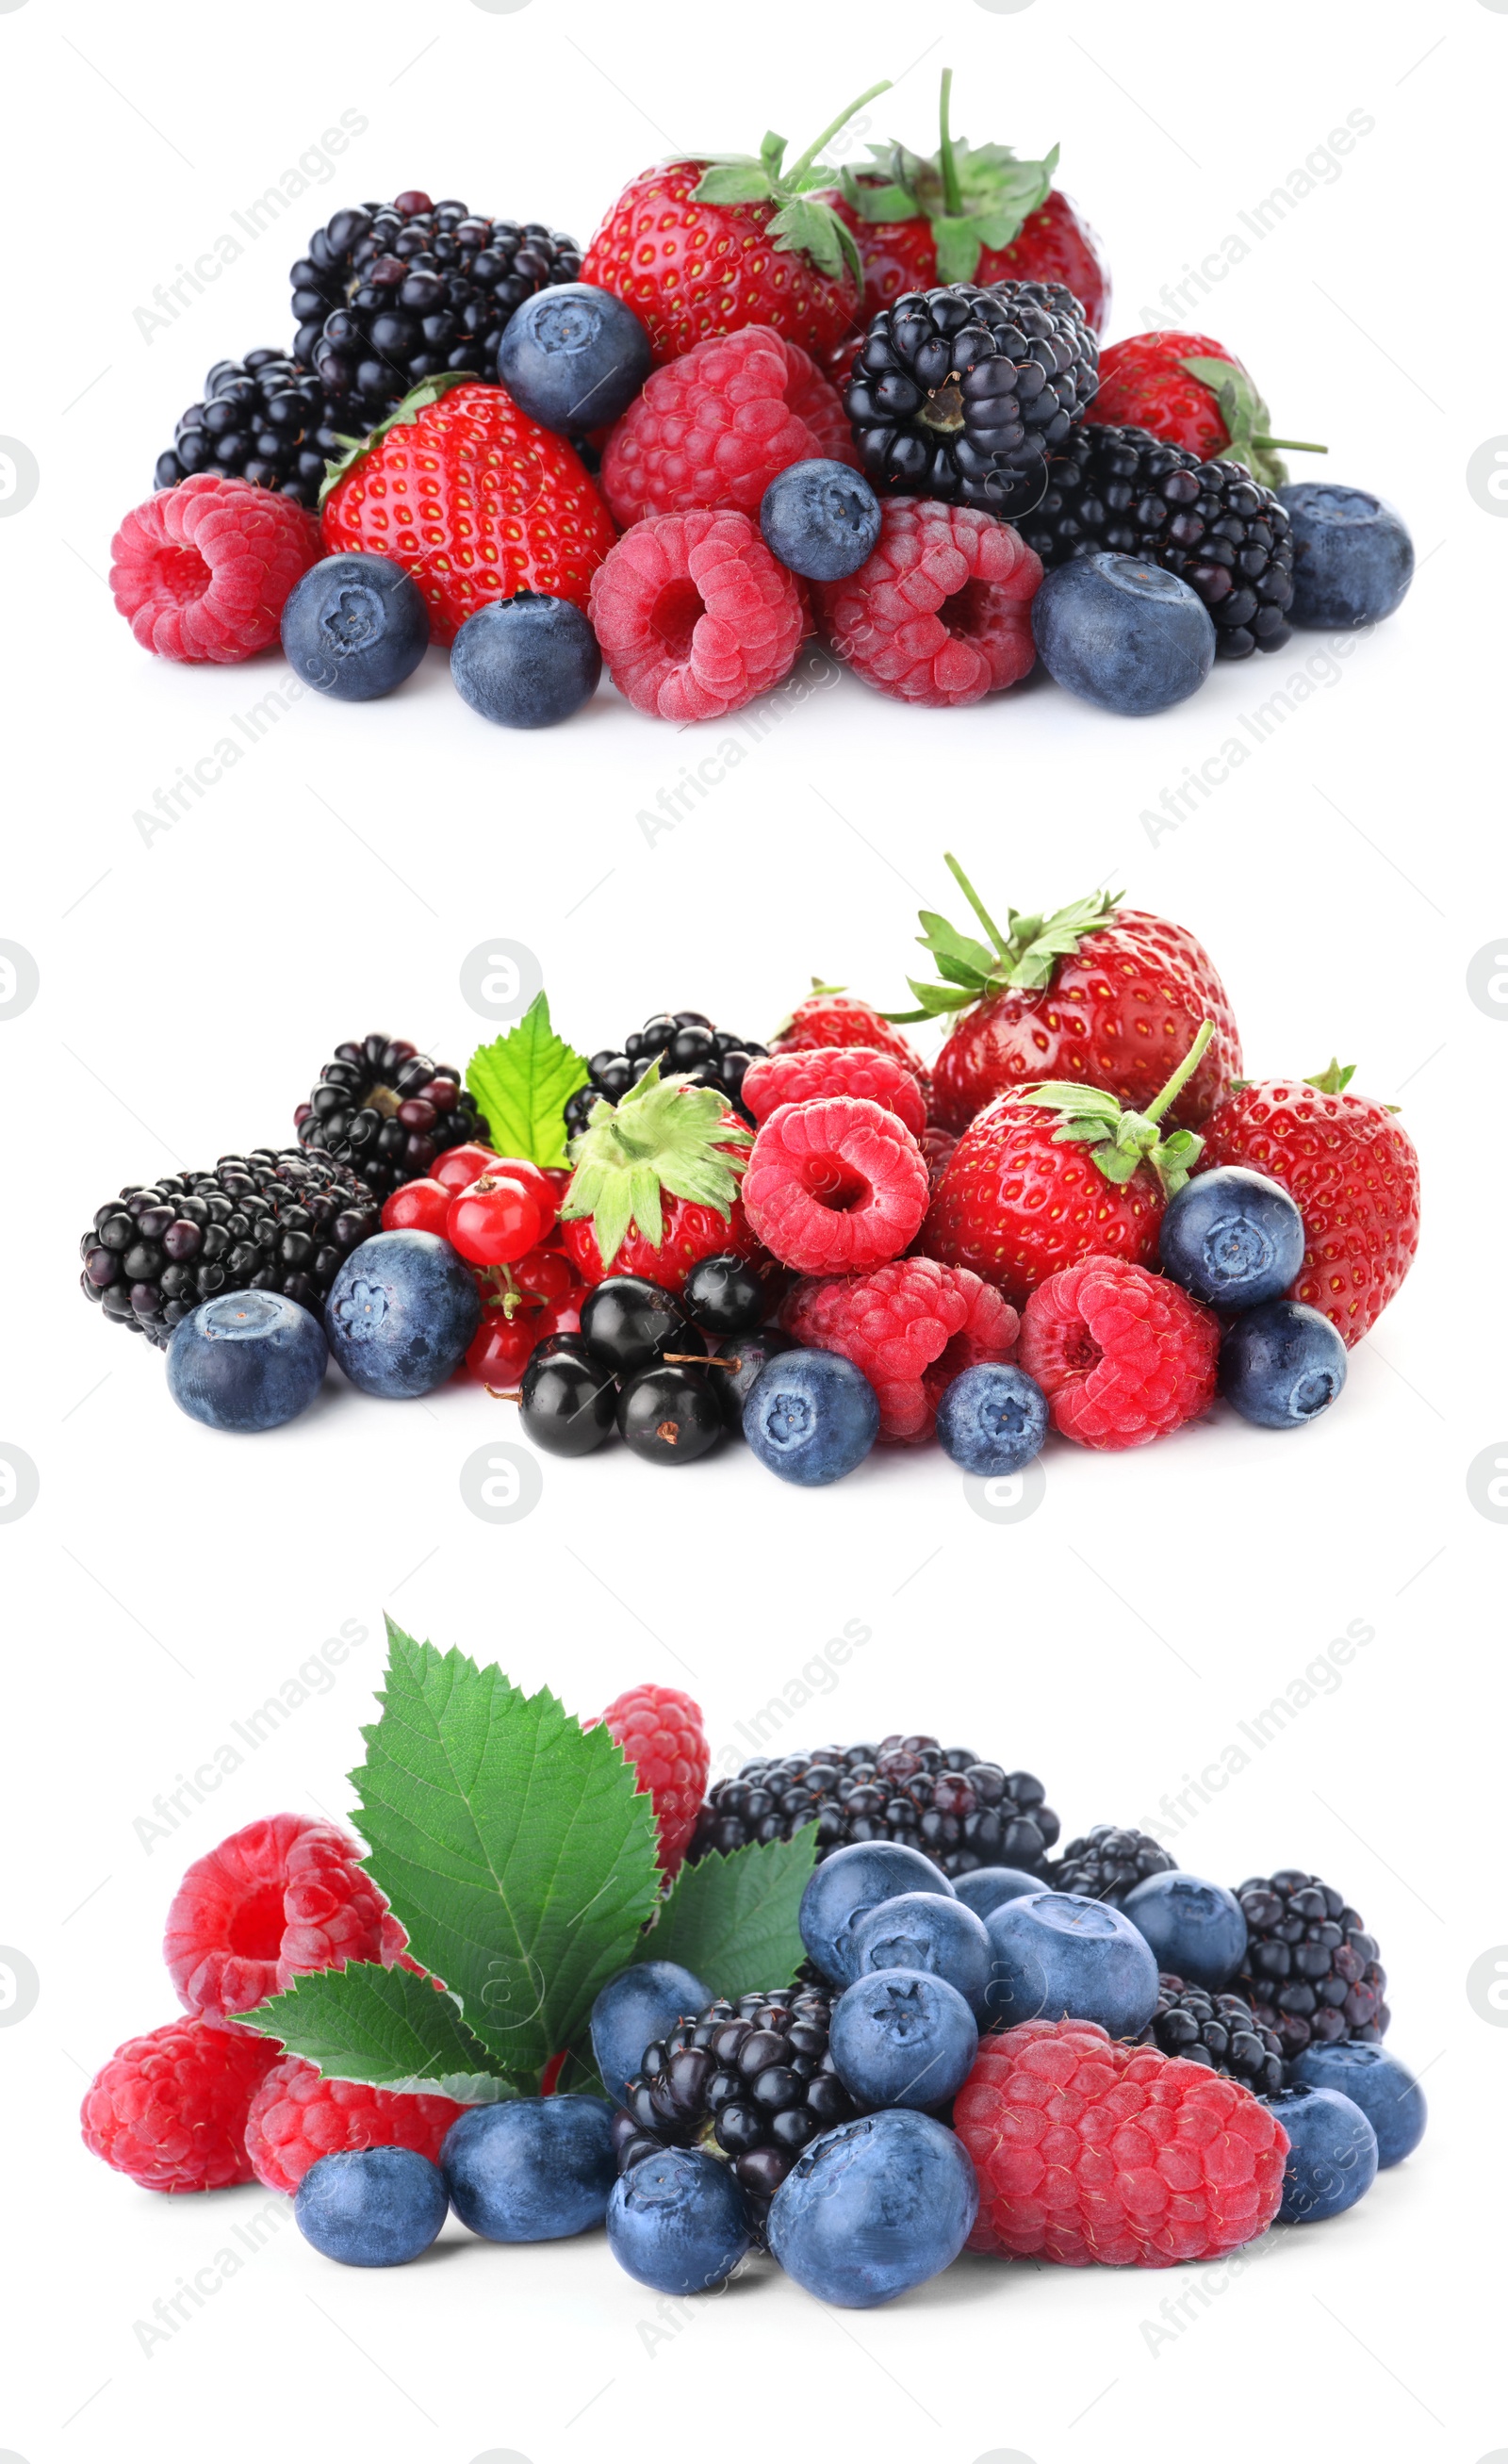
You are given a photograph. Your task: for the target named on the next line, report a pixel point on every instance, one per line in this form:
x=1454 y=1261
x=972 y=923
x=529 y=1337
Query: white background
x=166 y=1581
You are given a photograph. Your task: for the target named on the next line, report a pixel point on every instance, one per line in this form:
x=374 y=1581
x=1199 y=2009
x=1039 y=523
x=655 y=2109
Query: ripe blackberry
x=958 y=1811
x=1311 y=1971
x=387 y=1111
x=268 y=1220
x=961 y=393
x=1218 y=2029
x=265 y=418
x=1107 y=1862
x=750 y=2079
x=389 y=294
x=1211 y=522
x=682 y=1039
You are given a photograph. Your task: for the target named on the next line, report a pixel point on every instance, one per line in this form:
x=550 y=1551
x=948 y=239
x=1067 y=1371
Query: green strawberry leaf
x=521 y=1082
x=664 y=1137
x=733 y=180
x=810 y=225
x=733 y=1920
x=892 y=202
x=1332 y=1080
x=960 y=240
x=961 y=958
x=387 y=2026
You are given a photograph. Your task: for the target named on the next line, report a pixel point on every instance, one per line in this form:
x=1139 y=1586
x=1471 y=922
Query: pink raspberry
x=940 y=611
x=716 y=427
x=855 y=1069
x=273 y=1902
x=169 y=2108
x=912 y=1326
x=297 y=2117
x=1093 y=2152
x=201 y=570
x=660 y=1731
x=835 y=1185
x=1123 y=1357
x=693 y=615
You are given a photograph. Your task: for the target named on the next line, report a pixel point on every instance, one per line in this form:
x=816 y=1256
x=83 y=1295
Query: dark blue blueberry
x=245 y=1361
x=903 y=2037
x=636 y=2008
x=572 y=357
x=1332 y=2153
x=528 y=661
x=1384 y=2087
x=1060 y=1957
x=989 y=1886
x=1196 y=1929
x=873 y=2207
x=371 y=2206
x=846 y=1886
x=354 y=627
x=401 y=1312
x=991 y=1420
x=1352 y=557
x=534 y=2168
x=811 y=1417
x=820 y=519
x=1123 y=634
x=1233 y=1237
x=1281 y=1365
x=678 y=2221
x=939 y=1937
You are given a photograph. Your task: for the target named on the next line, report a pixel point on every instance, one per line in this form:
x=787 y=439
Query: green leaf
x=891 y=203
x=959 y=240
x=937 y=999
x=666 y=1136
x=384 y=2026
x=809 y=224
x=1332 y=1080
x=733 y=1920
x=959 y=956
x=521 y=1083
x=511 y=1843
x=771 y=154
x=736 y=180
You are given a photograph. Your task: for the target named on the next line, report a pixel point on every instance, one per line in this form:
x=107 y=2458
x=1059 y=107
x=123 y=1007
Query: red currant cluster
x=503 y=1217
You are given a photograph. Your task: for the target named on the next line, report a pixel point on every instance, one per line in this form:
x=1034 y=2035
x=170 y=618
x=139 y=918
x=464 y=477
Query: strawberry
x=832 y=1019
x=708 y=243
x=1192 y=392
x=1352 y=1171
x=473 y=499
x=1099 y=992
x=655 y=1188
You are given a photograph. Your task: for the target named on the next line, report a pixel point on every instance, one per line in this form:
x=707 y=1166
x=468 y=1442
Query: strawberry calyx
x=1334 y=1078
x=1020 y=959
x=974 y=196
x=1121 y=1142
x=803 y=224
x=423 y=397
x=1248 y=421
x=665 y=1137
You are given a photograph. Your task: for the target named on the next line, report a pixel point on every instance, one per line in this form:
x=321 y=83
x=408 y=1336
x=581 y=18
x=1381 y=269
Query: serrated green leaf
x=387 y=2026
x=733 y=1920
x=521 y=1082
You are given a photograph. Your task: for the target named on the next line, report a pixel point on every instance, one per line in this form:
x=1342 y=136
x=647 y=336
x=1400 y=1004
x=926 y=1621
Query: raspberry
x=297 y=2117
x=835 y=1185
x=1123 y=1357
x=169 y=2108
x=1091 y=2152
x=714 y=427
x=940 y=613
x=854 y=1069
x=273 y=1902
x=912 y=1326
x=201 y=570
x=661 y=1733
x=694 y=616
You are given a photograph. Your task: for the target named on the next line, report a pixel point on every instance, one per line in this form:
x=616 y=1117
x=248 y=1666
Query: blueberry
x=245 y=1361
x=1123 y=634
x=989 y=1886
x=726 y=1295
x=739 y=1364
x=820 y=519
x=567 y=1405
x=1060 y=1957
x=572 y=357
x=629 y=1322
x=668 y=1414
x=678 y=2221
x=1386 y=2090
x=903 y=2037
x=873 y=2207
x=811 y=1417
x=1281 y=1365
x=992 y=1419
x=923 y=1931
x=534 y=2168
x=846 y=1886
x=1352 y=557
x=528 y=661
x=1233 y=1237
x=636 y=2008
x=1332 y=2153
x=371 y=2206
x=1196 y=1929
x=401 y=1312
x=354 y=627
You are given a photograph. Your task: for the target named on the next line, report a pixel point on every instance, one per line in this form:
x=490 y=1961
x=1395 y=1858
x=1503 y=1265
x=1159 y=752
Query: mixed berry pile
x=768 y=399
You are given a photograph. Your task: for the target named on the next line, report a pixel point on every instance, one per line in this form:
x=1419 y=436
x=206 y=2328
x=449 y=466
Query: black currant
x=631 y=1321
x=670 y=1415
x=725 y=1295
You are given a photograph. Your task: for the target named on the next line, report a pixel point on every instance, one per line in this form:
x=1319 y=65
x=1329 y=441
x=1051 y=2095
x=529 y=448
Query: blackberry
x=268 y=1220
x=958 y=1811
x=389 y=294
x=266 y=418
x=750 y=2079
x=387 y=1111
x=681 y=1040
x=1218 y=2029
x=963 y=392
x=1107 y=1862
x=1311 y=1971
x=1211 y=522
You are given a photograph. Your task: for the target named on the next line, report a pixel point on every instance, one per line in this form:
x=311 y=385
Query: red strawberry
x=708 y=243
x=470 y=497
x=1192 y=392
x=655 y=1188
x=832 y=1019
x=1098 y=992
x=1352 y=1171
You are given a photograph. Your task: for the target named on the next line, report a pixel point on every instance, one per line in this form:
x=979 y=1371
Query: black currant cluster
x=388 y=1112
x=755 y=2076
x=266 y=418
x=639 y=1365
x=958 y=1811
x=685 y=1043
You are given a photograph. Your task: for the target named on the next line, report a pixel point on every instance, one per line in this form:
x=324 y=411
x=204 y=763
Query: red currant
x=546 y=1273
x=494 y=1221
x=562 y=1316
x=499 y=1350
x=459 y=1166
x=418 y=1206
x=537 y=1184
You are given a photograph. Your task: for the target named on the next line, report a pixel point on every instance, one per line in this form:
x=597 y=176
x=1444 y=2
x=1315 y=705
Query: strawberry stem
x=953 y=194
x=976 y=901
x=804 y=162
x=1182 y=1074
x=1287 y=445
